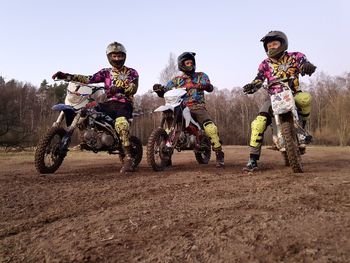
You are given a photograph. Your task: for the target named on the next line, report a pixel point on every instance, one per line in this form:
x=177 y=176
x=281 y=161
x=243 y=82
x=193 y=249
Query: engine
x=97 y=139
x=186 y=140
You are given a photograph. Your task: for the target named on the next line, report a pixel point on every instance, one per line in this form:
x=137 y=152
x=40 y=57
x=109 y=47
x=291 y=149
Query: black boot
x=252 y=164
x=220 y=158
x=127 y=162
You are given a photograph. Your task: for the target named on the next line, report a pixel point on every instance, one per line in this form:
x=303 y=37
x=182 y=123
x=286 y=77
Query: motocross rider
x=279 y=65
x=195 y=83
x=120 y=84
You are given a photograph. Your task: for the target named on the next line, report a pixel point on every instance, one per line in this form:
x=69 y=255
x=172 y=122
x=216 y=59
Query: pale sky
x=41 y=37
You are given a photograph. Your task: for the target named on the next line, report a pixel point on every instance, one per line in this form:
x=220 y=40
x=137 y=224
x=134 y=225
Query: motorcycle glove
x=62 y=76
x=159 y=89
x=131 y=89
x=251 y=88
x=116 y=90
x=308 y=68
x=207 y=87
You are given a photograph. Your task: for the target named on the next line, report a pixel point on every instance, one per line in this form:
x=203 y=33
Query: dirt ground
x=87 y=212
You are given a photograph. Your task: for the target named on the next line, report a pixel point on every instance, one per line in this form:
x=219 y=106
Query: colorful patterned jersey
x=120 y=79
x=286 y=67
x=195 y=88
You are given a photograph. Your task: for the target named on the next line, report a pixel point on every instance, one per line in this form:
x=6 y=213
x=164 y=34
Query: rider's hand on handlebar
x=61 y=76
x=131 y=89
x=158 y=87
x=115 y=90
x=250 y=88
x=308 y=68
x=207 y=87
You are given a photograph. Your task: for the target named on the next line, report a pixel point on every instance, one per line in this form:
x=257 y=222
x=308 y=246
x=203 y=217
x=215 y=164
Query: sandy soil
x=87 y=212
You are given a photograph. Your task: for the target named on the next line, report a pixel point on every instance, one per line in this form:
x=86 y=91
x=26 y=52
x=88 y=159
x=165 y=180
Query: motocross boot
x=308 y=138
x=252 y=164
x=220 y=159
x=127 y=162
x=304 y=138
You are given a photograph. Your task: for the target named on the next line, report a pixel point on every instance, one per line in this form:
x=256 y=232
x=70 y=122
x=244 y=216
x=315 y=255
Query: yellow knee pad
x=258 y=128
x=211 y=131
x=121 y=125
x=303 y=102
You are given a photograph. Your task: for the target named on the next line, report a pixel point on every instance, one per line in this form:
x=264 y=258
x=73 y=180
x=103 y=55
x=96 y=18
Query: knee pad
x=211 y=131
x=121 y=125
x=258 y=128
x=303 y=103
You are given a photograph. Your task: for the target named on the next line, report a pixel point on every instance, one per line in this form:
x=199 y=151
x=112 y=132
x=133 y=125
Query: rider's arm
x=304 y=65
x=95 y=78
x=261 y=75
x=205 y=84
x=171 y=84
x=160 y=90
x=133 y=85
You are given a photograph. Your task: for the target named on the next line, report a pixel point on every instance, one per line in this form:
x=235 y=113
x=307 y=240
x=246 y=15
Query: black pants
x=116 y=109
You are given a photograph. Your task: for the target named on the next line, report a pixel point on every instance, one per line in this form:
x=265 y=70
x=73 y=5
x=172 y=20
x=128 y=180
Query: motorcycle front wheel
x=291 y=144
x=48 y=154
x=157 y=157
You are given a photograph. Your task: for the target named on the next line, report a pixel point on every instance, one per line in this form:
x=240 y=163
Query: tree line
x=25 y=111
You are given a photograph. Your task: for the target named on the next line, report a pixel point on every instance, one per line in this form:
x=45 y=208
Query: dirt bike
x=289 y=137
x=96 y=128
x=177 y=130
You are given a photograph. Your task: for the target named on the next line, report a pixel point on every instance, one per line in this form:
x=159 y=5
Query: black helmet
x=272 y=36
x=182 y=58
x=115 y=47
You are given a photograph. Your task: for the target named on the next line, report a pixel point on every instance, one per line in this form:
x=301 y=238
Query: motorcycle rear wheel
x=203 y=155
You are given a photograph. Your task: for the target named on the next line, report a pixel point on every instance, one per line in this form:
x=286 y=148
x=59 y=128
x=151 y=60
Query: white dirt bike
x=289 y=137
x=178 y=130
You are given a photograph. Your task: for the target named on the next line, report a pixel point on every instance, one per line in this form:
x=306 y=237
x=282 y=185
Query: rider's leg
x=121 y=125
x=258 y=127
x=303 y=103
x=211 y=131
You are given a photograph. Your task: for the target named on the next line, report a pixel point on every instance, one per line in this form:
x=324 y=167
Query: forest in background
x=25 y=110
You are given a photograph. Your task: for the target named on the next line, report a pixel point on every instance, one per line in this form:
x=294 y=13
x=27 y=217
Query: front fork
x=278 y=138
x=170 y=125
x=65 y=142
x=59 y=120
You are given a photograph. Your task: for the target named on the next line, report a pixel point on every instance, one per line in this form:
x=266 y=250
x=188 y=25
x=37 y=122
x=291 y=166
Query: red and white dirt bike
x=178 y=130
x=96 y=128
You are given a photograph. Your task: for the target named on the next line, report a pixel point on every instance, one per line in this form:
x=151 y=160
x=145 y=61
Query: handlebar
x=283 y=82
x=94 y=88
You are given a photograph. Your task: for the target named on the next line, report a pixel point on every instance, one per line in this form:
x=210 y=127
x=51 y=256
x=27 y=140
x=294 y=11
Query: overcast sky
x=42 y=37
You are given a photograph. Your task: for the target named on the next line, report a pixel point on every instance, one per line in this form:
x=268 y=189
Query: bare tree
x=25 y=111
x=170 y=70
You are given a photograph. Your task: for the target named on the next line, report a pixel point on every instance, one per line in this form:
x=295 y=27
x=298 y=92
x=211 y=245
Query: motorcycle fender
x=188 y=118
x=62 y=107
x=164 y=108
x=68 y=111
